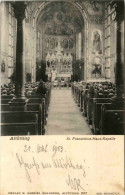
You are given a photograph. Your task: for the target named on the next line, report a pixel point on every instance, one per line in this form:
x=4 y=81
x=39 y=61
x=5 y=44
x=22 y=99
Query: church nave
x=62 y=65
x=64 y=115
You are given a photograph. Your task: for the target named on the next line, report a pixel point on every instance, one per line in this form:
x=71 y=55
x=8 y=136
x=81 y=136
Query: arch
x=52 y=43
x=65 y=43
x=82 y=10
x=47 y=43
x=71 y=43
x=84 y=14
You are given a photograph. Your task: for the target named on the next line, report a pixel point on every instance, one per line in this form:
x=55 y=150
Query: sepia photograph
x=62 y=65
x=62 y=97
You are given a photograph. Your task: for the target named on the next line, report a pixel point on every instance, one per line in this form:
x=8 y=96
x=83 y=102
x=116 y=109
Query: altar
x=61 y=62
x=61 y=76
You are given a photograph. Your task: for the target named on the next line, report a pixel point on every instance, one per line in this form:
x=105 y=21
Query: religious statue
x=69 y=58
x=97 y=70
x=47 y=43
x=94 y=6
x=96 y=41
x=52 y=44
x=3 y=66
x=59 y=50
x=97 y=67
x=48 y=63
x=71 y=42
x=65 y=43
x=65 y=58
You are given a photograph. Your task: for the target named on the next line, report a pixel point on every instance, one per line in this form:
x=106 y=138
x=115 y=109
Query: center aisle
x=64 y=117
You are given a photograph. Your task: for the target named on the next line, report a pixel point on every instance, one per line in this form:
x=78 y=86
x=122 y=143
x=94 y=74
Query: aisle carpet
x=64 y=116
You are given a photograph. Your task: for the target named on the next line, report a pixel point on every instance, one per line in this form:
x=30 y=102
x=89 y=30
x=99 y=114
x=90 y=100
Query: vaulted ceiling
x=62 y=13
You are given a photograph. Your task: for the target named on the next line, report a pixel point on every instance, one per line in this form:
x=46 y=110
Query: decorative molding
x=96 y=20
x=108 y=67
x=28 y=14
x=4 y=53
x=19 y=10
x=117 y=10
x=107 y=47
x=95 y=5
x=112 y=55
x=107 y=36
x=108 y=57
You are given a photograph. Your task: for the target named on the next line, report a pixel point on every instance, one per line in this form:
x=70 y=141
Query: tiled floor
x=64 y=116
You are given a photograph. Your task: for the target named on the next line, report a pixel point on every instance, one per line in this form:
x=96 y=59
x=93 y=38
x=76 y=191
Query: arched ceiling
x=91 y=8
x=61 y=13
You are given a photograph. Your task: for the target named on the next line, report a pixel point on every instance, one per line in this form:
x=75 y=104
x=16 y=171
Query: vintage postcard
x=62 y=97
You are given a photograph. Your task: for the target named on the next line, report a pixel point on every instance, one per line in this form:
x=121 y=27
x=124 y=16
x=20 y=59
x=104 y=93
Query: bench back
x=35 y=100
x=101 y=100
x=19 y=123
x=34 y=96
x=37 y=107
x=5 y=107
x=34 y=107
x=17 y=117
x=5 y=101
x=112 y=121
x=6 y=96
x=116 y=115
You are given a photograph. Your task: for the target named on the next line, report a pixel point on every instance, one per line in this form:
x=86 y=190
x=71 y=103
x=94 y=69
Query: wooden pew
x=102 y=98
x=91 y=97
x=19 y=123
x=44 y=116
x=35 y=100
x=96 y=112
x=32 y=107
x=84 y=108
x=5 y=107
x=89 y=103
x=5 y=101
x=89 y=109
x=75 y=92
x=81 y=100
x=32 y=99
x=112 y=120
x=47 y=102
x=38 y=107
x=7 y=96
x=79 y=95
x=40 y=101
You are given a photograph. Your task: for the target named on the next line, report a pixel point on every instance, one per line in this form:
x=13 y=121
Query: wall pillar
x=19 y=101
x=119 y=70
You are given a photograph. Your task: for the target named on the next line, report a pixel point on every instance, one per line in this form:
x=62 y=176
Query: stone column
x=19 y=101
x=119 y=71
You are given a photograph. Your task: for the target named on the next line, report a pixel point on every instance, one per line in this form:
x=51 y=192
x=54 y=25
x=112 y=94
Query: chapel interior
x=62 y=67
